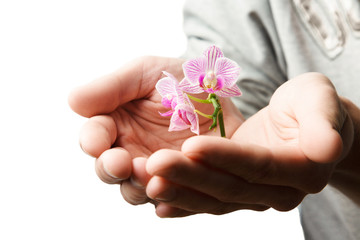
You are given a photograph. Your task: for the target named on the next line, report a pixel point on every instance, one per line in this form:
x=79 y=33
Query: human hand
x=125 y=126
x=285 y=151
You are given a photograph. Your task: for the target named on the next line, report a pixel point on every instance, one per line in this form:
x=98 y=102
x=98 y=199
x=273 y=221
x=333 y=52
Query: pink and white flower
x=211 y=73
x=182 y=111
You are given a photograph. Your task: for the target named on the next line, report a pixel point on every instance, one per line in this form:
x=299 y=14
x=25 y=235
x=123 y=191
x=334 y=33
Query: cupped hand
x=125 y=126
x=285 y=151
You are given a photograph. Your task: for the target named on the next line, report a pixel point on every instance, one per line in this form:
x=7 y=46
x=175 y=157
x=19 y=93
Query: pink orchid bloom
x=184 y=117
x=182 y=111
x=211 y=73
x=170 y=93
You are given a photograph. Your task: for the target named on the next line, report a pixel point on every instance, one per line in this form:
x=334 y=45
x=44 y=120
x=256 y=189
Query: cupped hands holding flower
x=288 y=149
x=124 y=126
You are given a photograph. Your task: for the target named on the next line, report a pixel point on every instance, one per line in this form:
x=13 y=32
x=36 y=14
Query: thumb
x=105 y=94
x=133 y=81
x=321 y=117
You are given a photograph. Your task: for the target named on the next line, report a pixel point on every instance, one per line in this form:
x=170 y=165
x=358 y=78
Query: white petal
x=178 y=124
x=228 y=70
x=233 y=91
x=194 y=68
x=166 y=86
x=186 y=86
x=212 y=54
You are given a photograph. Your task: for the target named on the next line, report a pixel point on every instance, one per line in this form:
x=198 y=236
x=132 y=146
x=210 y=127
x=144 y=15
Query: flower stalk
x=217 y=116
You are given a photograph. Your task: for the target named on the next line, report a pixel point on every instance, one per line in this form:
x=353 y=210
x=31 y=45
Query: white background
x=48 y=187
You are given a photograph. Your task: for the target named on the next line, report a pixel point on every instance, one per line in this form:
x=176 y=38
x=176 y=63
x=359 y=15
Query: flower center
x=210 y=82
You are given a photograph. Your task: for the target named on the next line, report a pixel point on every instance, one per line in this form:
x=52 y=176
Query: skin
x=125 y=127
x=305 y=138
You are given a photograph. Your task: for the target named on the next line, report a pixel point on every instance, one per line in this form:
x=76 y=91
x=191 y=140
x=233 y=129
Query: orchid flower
x=182 y=111
x=211 y=73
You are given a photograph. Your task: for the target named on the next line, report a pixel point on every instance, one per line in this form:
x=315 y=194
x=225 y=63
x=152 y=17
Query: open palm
x=124 y=110
x=142 y=131
x=125 y=126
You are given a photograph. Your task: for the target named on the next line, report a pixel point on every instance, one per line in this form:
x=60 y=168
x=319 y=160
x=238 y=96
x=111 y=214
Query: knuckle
x=224 y=208
x=317 y=179
x=290 y=201
x=260 y=208
x=316 y=186
x=219 y=209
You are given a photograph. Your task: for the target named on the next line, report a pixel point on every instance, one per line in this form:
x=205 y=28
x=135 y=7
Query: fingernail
x=106 y=170
x=166 y=196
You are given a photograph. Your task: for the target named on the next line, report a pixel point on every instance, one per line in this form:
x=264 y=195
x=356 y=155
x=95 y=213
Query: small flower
x=211 y=73
x=170 y=93
x=182 y=111
x=184 y=117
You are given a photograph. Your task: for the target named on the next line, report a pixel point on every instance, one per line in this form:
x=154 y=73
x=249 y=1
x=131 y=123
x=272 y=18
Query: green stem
x=199 y=100
x=203 y=114
x=221 y=124
x=217 y=115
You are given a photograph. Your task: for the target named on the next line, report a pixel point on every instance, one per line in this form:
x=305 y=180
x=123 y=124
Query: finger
x=133 y=81
x=140 y=176
x=220 y=185
x=132 y=193
x=113 y=165
x=188 y=200
x=133 y=190
x=165 y=211
x=105 y=94
x=319 y=141
x=98 y=135
x=283 y=166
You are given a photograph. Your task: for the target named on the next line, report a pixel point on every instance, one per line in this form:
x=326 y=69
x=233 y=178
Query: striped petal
x=233 y=91
x=227 y=70
x=194 y=68
x=186 y=86
x=212 y=54
x=169 y=85
x=166 y=85
x=184 y=117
